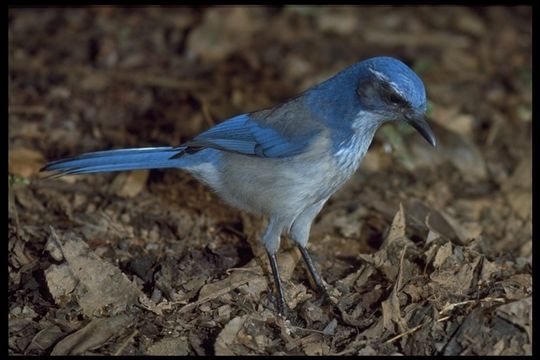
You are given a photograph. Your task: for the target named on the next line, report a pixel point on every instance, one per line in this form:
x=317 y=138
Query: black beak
x=421 y=125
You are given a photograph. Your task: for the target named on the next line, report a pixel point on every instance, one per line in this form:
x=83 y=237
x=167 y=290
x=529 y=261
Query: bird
x=286 y=161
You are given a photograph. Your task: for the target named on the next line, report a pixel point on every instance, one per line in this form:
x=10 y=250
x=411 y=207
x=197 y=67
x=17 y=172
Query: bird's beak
x=421 y=125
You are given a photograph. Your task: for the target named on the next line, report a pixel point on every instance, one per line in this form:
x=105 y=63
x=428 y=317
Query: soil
x=424 y=251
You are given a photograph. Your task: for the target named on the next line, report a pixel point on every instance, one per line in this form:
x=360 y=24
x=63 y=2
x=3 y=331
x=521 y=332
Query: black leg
x=324 y=297
x=281 y=305
x=312 y=270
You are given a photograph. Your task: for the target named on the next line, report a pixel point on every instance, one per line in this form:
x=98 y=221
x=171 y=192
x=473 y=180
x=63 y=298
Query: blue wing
x=264 y=134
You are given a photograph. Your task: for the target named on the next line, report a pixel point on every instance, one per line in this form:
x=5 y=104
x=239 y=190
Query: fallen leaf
x=451 y=146
x=441 y=223
x=44 y=339
x=455 y=274
x=25 y=162
x=228 y=335
x=518 y=313
x=96 y=333
x=316 y=348
x=168 y=346
x=397 y=229
x=391 y=307
x=60 y=282
x=132 y=182
x=250 y=280
x=99 y=284
x=387 y=258
x=444 y=252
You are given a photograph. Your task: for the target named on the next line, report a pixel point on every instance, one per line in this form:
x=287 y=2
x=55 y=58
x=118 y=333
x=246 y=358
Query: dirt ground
x=425 y=251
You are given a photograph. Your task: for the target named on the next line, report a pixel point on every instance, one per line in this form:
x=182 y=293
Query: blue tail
x=117 y=160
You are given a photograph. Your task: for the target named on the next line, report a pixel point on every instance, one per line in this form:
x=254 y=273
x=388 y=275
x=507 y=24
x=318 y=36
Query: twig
x=248 y=270
x=451 y=307
x=400 y=274
x=447 y=308
x=313 y=331
x=125 y=343
x=411 y=330
x=57 y=241
x=290 y=342
x=212 y=296
x=345 y=352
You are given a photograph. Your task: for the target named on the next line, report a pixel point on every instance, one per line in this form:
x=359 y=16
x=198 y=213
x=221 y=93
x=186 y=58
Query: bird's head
x=391 y=90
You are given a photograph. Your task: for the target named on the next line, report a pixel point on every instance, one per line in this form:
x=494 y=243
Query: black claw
x=323 y=299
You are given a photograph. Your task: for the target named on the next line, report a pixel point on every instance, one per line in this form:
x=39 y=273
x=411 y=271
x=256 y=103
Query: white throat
x=352 y=150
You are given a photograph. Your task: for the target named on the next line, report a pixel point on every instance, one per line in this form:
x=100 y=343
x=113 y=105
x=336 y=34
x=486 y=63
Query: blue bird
x=286 y=161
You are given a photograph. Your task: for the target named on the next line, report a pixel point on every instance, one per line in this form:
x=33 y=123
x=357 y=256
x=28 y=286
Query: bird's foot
x=323 y=297
x=284 y=312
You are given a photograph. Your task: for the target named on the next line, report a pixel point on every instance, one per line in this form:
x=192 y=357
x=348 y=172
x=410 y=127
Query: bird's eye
x=395 y=99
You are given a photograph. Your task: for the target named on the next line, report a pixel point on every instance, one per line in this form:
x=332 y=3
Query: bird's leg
x=324 y=296
x=271 y=239
x=299 y=233
x=312 y=269
x=321 y=289
x=281 y=305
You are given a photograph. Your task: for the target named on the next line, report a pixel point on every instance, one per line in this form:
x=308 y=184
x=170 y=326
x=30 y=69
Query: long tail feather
x=116 y=160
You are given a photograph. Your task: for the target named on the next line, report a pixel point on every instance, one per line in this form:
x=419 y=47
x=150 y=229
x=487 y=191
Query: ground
x=424 y=251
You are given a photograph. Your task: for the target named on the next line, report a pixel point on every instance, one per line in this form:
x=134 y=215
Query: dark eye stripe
x=390 y=96
x=396 y=99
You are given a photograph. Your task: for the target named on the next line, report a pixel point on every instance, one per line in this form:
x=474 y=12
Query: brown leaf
x=169 y=346
x=518 y=313
x=451 y=146
x=391 y=307
x=45 y=339
x=60 y=282
x=93 y=335
x=517 y=286
x=397 y=229
x=316 y=348
x=456 y=275
x=132 y=183
x=450 y=118
x=227 y=336
x=99 y=284
x=25 y=162
x=444 y=252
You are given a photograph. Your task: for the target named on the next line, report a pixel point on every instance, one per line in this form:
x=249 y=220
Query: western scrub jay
x=286 y=161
